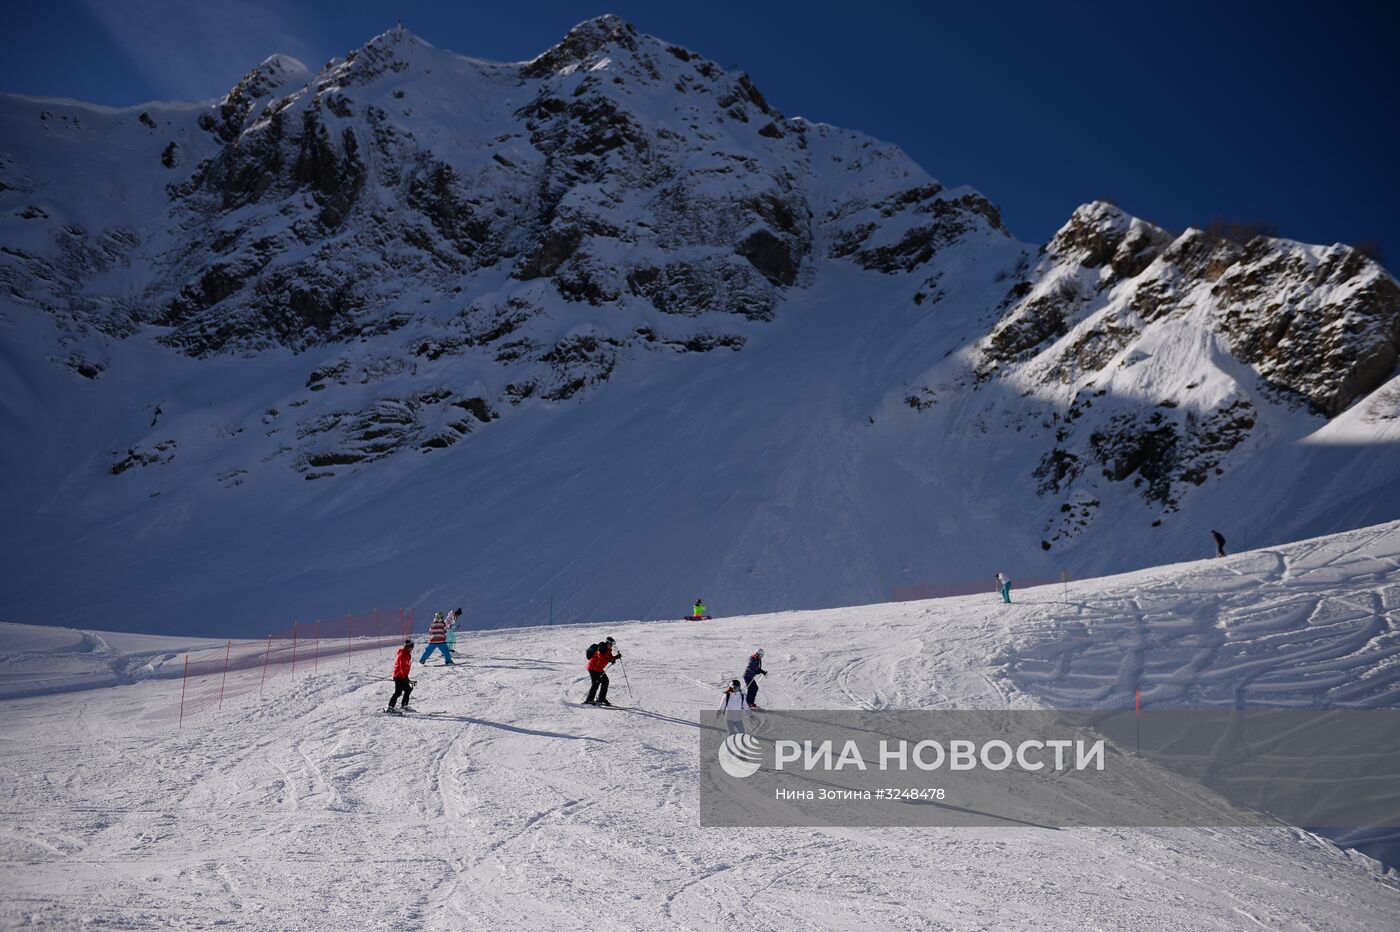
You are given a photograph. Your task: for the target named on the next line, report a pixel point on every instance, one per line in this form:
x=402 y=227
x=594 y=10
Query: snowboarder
x=699 y=607
x=1004 y=586
x=734 y=706
x=599 y=656
x=403 y=686
x=437 y=639
x=751 y=674
x=452 y=619
x=1219 y=543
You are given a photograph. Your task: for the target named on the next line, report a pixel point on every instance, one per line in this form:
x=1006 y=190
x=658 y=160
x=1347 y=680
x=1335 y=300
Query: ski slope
x=515 y=807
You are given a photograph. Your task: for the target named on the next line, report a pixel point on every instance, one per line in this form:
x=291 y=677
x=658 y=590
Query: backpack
x=592 y=649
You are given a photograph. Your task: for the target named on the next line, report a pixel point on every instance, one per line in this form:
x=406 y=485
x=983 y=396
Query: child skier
x=751 y=674
x=437 y=639
x=599 y=656
x=452 y=618
x=402 y=684
x=1004 y=586
x=734 y=706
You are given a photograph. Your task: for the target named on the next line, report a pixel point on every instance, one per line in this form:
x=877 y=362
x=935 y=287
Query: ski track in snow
x=515 y=807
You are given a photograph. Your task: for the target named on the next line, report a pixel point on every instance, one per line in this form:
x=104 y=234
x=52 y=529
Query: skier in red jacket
x=402 y=684
x=599 y=656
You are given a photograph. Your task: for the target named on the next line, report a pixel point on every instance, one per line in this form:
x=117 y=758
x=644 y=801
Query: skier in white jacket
x=734 y=707
x=1004 y=586
x=452 y=618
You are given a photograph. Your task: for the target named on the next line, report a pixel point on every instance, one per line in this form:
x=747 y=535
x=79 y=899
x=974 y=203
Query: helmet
x=758 y=653
x=611 y=641
x=437 y=614
x=734 y=683
x=408 y=642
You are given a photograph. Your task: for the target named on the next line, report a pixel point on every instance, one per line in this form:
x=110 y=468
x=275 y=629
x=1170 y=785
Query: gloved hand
x=412 y=683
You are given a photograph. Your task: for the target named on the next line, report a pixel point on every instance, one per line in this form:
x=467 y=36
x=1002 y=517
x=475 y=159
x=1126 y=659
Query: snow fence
x=356 y=641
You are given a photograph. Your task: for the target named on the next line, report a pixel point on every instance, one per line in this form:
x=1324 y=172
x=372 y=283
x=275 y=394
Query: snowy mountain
x=607 y=326
x=516 y=807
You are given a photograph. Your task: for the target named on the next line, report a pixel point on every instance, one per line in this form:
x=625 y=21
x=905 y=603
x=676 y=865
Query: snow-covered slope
x=607 y=326
x=311 y=809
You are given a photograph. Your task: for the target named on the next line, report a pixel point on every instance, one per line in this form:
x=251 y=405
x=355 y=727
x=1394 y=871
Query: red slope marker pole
x=265 y=655
x=183 y=681
x=316 y=655
x=228 y=647
x=294 y=650
x=349 y=624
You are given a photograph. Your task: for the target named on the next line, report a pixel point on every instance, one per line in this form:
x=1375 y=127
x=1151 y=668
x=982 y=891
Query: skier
x=1219 y=543
x=437 y=639
x=699 y=608
x=599 y=656
x=1004 y=586
x=734 y=706
x=751 y=675
x=402 y=684
x=452 y=618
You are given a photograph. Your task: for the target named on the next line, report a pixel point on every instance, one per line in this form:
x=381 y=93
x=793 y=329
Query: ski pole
x=625 y=682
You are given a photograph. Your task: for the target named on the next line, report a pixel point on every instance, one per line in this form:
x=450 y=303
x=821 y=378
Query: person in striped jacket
x=437 y=639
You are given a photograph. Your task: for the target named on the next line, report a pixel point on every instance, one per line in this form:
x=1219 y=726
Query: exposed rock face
x=135 y=458
x=512 y=234
x=324 y=192
x=427 y=420
x=255 y=91
x=1323 y=324
x=624 y=195
x=607 y=320
x=538 y=186
x=1115 y=306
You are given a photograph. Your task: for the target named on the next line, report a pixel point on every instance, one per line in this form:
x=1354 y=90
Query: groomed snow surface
x=311 y=809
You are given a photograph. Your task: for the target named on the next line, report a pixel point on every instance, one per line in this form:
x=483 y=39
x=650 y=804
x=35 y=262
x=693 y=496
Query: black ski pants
x=400 y=686
x=599 y=690
x=753 y=690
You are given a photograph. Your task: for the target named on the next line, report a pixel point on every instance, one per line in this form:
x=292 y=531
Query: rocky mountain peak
x=583 y=46
x=277 y=74
x=1134 y=340
x=1098 y=234
x=1321 y=323
x=279 y=70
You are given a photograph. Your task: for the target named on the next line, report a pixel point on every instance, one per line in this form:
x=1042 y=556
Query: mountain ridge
x=413 y=255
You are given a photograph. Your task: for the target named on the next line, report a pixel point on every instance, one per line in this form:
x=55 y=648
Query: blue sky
x=1181 y=112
